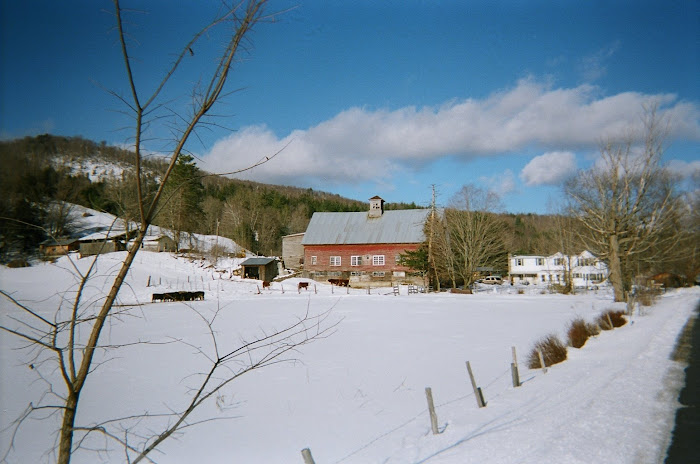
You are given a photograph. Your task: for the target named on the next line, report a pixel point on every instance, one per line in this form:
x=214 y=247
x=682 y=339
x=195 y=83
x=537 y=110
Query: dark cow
x=178 y=296
x=304 y=285
x=266 y=284
x=339 y=282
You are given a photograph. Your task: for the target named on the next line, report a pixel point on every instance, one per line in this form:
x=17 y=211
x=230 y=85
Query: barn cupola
x=376 y=207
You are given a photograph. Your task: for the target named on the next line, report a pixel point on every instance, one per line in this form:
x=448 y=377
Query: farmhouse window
x=518 y=261
x=335 y=260
x=558 y=261
x=313 y=260
x=378 y=260
x=397 y=259
x=540 y=261
x=356 y=260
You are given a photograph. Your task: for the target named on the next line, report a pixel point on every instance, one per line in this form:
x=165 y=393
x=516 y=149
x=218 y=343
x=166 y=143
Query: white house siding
x=586 y=269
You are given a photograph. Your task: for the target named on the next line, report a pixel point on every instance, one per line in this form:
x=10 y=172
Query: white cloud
x=685 y=169
x=360 y=144
x=502 y=184
x=593 y=67
x=550 y=168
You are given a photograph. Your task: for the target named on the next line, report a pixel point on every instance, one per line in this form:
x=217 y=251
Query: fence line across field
x=432 y=409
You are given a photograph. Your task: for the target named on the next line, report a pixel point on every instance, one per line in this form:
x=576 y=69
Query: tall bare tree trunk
x=615 y=269
x=66 y=438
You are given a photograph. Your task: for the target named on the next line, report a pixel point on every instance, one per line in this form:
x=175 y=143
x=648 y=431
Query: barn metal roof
x=395 y=226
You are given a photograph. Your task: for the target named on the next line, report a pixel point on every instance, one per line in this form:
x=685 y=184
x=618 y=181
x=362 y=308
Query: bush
x=553 y=352
x=617 y=318
x=580 y=331
x=19 y=262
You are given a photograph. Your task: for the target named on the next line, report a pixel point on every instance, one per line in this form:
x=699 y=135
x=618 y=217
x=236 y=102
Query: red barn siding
x=323 y=255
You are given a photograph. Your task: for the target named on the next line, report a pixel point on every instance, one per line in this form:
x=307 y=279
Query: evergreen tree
x=183 y=195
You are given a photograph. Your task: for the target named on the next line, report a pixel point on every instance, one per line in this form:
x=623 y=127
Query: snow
x=358 y=395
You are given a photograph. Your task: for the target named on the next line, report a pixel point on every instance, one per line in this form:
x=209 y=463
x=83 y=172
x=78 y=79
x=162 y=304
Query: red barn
x=362 y=246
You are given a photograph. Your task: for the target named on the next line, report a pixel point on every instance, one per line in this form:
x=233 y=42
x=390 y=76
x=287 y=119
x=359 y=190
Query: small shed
x=59 y=246
x=259 y=268
x=103 y=242
x=158 y=243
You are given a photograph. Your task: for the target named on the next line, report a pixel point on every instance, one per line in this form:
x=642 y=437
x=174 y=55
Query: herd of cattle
x=178 y=296
x=193 y=296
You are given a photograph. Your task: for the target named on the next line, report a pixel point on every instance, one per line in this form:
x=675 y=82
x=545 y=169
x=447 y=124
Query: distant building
x=362 y=246
x=103 y=242
x=58 y=247
x=586 y=269
x=157 y=243
x=259 y=268
x=293 y=251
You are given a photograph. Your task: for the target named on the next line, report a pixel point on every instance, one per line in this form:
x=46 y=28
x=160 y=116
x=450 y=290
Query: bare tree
x=627 y=204
x=74 y=336
x=474 y=233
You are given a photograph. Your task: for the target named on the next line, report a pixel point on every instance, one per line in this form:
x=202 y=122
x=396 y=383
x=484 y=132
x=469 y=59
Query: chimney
x=376 y=207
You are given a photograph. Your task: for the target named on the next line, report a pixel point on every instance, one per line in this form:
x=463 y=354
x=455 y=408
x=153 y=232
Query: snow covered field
x=357 y=396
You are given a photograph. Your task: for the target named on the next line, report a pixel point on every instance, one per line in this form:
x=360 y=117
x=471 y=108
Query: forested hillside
x=39 y=173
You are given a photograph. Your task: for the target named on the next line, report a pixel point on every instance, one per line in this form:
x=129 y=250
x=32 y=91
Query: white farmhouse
x=585 y=268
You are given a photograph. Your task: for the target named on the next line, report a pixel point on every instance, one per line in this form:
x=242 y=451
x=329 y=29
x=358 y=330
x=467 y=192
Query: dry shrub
x=20 y=262
x=617 y=318
x=553 y=352
x=580 y=331
x=646 y=298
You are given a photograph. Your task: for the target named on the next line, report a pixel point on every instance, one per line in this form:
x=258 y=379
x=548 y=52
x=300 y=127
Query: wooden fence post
x=514 y=369
x=544 y=366
x=148 y=284
x=477 y=391
x=431 y=410
x=306 y=454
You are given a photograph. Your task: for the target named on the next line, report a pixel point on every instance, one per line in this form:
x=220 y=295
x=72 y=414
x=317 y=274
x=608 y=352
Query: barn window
x=378 y=260
x=378 y=274
x=356 y=260
x=313 y=260
x=335 y=260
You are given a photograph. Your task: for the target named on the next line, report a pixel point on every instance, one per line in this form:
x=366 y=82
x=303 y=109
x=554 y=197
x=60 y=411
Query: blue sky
x=375 y=97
